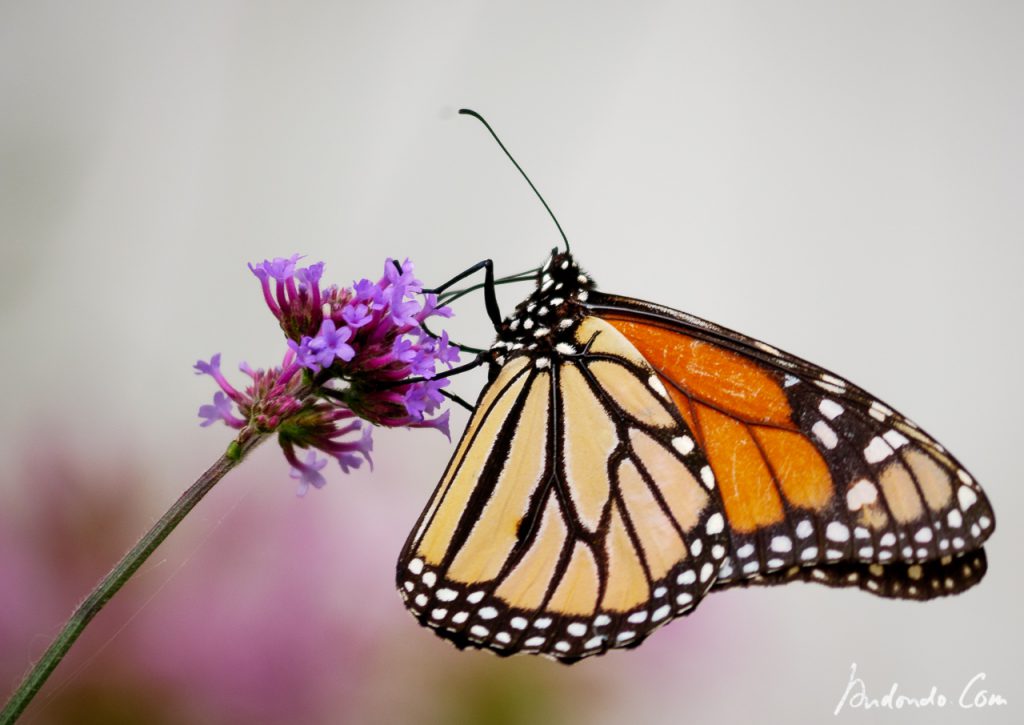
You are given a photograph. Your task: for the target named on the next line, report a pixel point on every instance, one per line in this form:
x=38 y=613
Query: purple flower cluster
x=350 y=349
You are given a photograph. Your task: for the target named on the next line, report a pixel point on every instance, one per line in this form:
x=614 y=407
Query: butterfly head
x=547 y=316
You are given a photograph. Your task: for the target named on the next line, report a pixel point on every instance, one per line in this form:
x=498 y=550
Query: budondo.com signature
x=975 y=694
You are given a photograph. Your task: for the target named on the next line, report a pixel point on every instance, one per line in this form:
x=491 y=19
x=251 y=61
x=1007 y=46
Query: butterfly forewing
x=577 y=515
x=812 y=469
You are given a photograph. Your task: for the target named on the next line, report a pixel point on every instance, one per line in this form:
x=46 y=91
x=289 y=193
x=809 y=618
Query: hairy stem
x=120 y=574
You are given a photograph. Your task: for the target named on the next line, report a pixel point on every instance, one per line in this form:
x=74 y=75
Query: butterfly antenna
x=481 y=119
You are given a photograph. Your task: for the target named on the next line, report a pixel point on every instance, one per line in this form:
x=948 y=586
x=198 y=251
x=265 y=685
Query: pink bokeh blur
x=260 y=609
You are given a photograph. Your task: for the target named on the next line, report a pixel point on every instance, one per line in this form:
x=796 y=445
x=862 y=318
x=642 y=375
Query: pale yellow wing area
x=574 y=516
x=452 y=495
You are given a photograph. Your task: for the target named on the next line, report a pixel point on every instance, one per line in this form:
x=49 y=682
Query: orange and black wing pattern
x=626 y=459
x=819 y=480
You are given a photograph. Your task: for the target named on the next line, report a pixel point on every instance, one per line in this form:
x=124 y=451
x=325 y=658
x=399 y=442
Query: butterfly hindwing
x=928 y=580
x=577 y=514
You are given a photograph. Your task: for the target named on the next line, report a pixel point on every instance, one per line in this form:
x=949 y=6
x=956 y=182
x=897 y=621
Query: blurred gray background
x=842 y=180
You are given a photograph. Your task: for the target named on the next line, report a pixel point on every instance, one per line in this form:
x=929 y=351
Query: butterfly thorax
x=544 y=322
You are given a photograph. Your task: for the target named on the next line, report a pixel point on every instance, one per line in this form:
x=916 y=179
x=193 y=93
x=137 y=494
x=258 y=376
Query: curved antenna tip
x=474 y=114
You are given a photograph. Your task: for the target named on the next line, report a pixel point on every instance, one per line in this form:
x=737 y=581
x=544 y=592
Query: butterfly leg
x=458 y=399
x=490 y=299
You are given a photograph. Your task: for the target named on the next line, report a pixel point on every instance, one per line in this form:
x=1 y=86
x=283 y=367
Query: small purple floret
x=220 y=410
x=367 y=344
x=308 y=473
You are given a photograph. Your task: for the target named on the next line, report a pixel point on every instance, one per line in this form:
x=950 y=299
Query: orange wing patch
x=718 y=377
x=743 y=419
x=748 y=493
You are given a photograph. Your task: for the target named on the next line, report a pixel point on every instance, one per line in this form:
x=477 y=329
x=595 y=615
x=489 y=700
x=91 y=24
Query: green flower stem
x=120 y=574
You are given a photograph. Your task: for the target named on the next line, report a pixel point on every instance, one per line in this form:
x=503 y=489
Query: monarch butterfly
x=625 y=459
